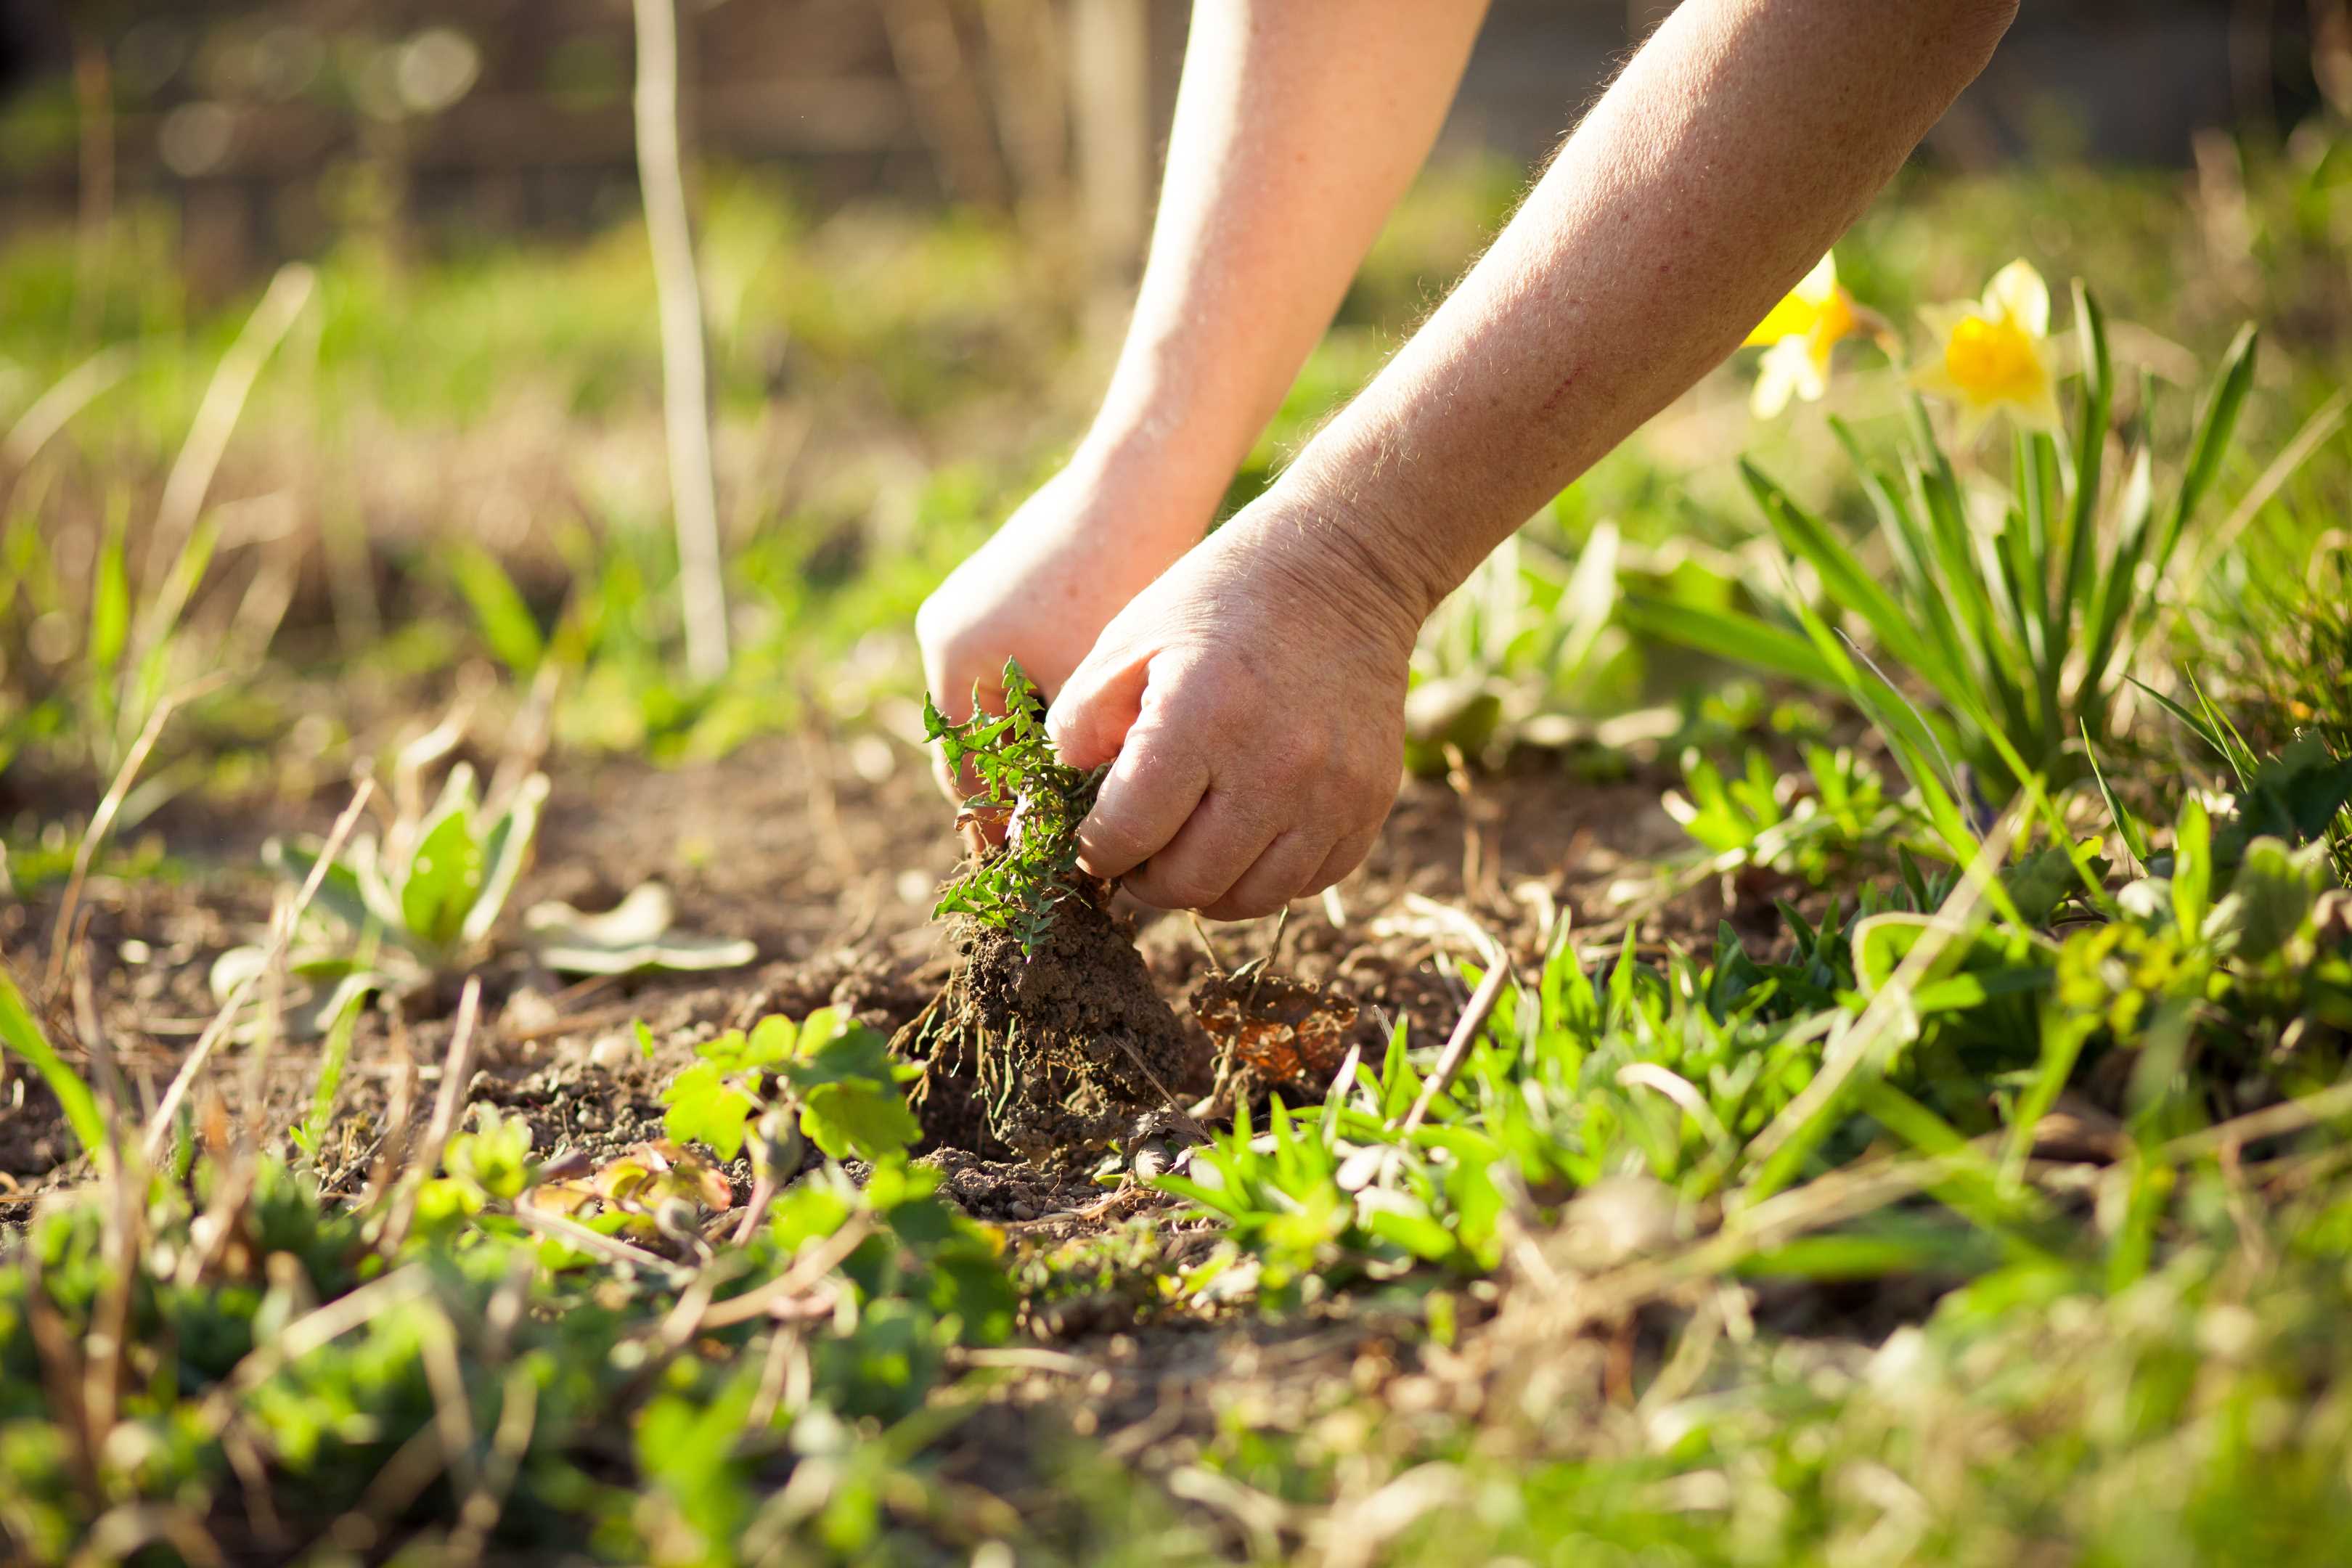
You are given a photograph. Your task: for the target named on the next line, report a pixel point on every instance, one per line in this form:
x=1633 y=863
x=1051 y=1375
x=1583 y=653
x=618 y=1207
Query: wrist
x=1352 y=532
x=1142 y=485
x=1331 y=552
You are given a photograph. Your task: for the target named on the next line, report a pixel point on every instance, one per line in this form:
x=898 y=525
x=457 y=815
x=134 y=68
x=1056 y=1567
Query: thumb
x=1096 y=708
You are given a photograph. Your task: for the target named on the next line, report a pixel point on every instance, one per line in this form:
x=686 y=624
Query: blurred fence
x=277 y=125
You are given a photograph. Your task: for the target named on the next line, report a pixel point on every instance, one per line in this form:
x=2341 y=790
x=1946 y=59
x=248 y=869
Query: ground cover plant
x=1869 y=1086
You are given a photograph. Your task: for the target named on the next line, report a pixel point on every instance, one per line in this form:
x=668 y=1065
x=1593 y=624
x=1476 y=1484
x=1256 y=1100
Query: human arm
x=1252 y=696
x=1298 y=125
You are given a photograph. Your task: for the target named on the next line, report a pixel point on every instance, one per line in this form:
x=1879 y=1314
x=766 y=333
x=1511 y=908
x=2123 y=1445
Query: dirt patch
x=805 y=846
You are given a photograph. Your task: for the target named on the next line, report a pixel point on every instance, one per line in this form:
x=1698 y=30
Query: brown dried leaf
x=647 y=1172
x=565 y=1198
x=1287 y=1030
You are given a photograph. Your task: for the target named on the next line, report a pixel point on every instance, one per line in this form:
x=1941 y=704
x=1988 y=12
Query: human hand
x=1047 y=582
x=1253 y=699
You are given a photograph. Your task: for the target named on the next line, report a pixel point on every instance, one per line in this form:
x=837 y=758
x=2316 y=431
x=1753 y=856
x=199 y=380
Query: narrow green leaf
x=2215 y=425
x=504 y=856
x=504 y=619
x=1738 y=639
x=22 y=1033
x=2193 y=866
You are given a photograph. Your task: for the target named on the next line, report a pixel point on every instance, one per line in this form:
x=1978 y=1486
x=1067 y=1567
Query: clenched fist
x=1250 y=702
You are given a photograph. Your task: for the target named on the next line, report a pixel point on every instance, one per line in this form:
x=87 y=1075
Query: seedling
x=1765 y=817
x=831 y=1072
x=422 y=902
x=1036 y=798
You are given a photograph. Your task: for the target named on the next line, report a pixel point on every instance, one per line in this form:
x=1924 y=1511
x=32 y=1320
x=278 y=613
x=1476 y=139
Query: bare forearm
x=1298 y=124
x=1737 y=145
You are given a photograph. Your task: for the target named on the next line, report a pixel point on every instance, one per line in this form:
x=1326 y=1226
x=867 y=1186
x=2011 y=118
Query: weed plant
x=1036 y=800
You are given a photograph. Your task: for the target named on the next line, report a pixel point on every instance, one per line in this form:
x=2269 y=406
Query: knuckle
x=935 y=622
x=1180 y=887
x=1244 y=904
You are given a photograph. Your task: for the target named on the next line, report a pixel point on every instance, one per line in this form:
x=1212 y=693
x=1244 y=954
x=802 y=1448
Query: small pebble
x=1021 y=1211
x=527 y=1009
x=612 y=1052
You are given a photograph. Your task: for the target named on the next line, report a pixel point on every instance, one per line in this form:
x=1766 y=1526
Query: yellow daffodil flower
x=1798 y=336
x=1992 y=354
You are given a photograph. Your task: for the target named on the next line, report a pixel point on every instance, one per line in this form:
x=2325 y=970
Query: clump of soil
x=1053 y=1054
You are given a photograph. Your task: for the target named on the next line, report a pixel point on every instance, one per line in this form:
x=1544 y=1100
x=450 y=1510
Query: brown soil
x=1053 y=1054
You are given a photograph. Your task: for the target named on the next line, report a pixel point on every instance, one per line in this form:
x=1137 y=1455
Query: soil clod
x=1054 y=1054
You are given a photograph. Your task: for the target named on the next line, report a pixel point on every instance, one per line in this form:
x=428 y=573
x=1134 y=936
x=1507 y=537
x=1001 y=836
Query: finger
x=1344 y=857
x=1217 y=844
x=1146 y=798
x=1280 y=875
x=1097 y=707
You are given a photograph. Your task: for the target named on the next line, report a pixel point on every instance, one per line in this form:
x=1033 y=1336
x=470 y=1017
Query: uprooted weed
x=1049 y=1039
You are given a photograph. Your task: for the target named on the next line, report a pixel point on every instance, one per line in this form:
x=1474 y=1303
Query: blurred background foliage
x=917 y=222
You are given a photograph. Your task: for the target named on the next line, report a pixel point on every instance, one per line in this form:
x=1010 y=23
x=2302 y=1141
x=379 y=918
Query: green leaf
x=2215 y=425
x=1739 y=639
x=2193 y=866
x=2271 y=898
x=849 y=1087
x=21 y=1033
x=504 y=856
x=339 y=895
x=705 y=1108
x=2135 y=837
x=506 y=622
x=1848 y=581
x=109 y=605
x=2090 y=450
x=445 y=878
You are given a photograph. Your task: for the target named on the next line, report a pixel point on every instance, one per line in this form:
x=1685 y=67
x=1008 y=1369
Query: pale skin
x=1248 y=689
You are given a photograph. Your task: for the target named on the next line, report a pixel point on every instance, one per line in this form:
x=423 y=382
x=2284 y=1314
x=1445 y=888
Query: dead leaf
x=1288 y=1030
x=640 y=1177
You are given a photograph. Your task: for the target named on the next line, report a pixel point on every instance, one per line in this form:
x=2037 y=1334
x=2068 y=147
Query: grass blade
x=2090 y=449
x=22 y=1033
x=1739 y=639
x=2214 y=428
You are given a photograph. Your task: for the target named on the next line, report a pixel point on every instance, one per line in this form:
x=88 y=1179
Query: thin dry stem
x=216 y=415
x=457 y=1069
x=50 y=413
x=804 y=1273
x=694 y=492
x=101 y=821
x=159 y=1125
x=1457 y=1045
